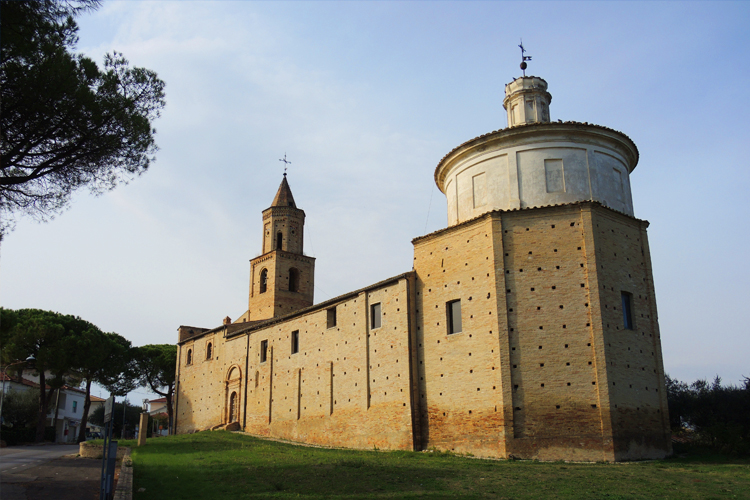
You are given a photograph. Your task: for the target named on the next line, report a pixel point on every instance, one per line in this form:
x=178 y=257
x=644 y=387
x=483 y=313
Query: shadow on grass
x=226 y=465
x=702 y=454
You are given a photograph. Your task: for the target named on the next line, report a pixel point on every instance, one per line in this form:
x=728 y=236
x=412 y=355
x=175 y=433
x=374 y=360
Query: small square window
x=295 y=341
x=263 y=351
x=375 y=316
x=453 y=310
x=331 y=317
x=627 y=310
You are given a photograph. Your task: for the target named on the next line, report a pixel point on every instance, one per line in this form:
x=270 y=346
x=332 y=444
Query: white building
x=68 y=403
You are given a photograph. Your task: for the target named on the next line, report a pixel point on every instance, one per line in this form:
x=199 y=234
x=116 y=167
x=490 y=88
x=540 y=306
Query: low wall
x=91 y=450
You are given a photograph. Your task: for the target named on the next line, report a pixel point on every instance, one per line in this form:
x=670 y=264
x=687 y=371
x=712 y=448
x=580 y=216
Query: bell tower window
x=279 y=239
x=293 y=280
x=263 y=281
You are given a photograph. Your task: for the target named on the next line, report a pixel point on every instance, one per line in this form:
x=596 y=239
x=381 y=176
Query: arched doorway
x=233 y=384
x=233 y=410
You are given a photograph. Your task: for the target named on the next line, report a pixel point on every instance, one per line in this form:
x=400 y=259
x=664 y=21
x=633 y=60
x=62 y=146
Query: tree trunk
x=85 y=416
x=42 y=416
x=169 y=409
x=57 y=411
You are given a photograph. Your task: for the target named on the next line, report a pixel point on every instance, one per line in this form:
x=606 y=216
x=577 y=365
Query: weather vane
x=286 y=163
x=524 y=58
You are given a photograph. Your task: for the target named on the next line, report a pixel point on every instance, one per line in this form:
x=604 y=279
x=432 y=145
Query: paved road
x=15 y=459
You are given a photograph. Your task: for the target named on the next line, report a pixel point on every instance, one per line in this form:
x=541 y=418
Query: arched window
x=263 y=280
x=293 y=280
x=190 y=357
x=233 y=407
x=208 y=350
x=279 y=238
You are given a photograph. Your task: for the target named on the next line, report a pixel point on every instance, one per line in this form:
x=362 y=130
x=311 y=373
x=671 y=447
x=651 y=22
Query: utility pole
x=124 y=407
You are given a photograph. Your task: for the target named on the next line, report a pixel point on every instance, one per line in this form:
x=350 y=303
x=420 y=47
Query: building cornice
x=495 y=213
x=538 y=132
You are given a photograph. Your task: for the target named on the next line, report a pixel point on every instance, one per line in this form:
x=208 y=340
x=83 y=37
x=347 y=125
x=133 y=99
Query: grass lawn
x=217 y=465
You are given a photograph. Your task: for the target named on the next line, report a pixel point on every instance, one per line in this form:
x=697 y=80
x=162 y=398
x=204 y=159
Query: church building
x=527 y=328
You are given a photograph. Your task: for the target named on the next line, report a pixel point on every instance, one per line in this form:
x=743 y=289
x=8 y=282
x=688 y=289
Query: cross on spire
x=524 y=58
x=286 y=163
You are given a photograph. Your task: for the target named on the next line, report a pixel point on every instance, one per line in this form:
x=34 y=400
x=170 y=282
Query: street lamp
x=29 y=361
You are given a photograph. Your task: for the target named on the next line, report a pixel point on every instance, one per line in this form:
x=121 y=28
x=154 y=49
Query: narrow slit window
x=279 y=240
x=209 y=350
x=263 y=281
x=627 y=310
x=375 y=316
x=189 y=357
x=293 y=280
x=263 y=351
x=331 y=317
x=295 y=341
x=454 y=316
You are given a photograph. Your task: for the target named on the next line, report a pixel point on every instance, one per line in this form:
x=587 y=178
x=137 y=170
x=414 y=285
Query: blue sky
x=365 y=98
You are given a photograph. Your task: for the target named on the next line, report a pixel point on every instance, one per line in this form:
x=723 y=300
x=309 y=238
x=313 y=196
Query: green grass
x=225 y=465
x=121 y=443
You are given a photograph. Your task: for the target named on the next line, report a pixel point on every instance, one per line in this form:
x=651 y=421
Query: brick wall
x=531 y=373
x=543 y=366
x=633 y=361
x=348 y=385
x=460 y=374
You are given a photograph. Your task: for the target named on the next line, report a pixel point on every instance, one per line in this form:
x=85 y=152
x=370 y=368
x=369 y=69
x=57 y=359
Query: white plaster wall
x=532 y=179
x=450 y=193
x=515 y=176
x=605 y=188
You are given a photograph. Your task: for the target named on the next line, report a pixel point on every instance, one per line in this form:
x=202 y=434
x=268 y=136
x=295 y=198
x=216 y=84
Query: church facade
x=527 y=328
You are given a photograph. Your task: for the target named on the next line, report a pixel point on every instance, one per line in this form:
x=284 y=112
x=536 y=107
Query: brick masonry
x=543 y=366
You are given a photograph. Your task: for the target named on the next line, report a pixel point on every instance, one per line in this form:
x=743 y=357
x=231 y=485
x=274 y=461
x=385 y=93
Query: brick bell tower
x=282 y=278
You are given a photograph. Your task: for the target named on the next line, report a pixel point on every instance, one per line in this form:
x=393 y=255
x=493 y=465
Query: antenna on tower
x=524 y=58
x=286 y=163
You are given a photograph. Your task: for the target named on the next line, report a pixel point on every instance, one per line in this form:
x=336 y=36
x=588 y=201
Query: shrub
x=718 y=416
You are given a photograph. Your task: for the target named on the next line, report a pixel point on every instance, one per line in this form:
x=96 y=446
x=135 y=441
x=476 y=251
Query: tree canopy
x=131 y=418
x=66 y=123
x=156 y=365
x=20 y=408
x=43 y=335
x=97 y=357
x=67 y=350
x=713 y=414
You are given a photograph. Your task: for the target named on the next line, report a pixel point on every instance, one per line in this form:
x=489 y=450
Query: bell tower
x=282 y=278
